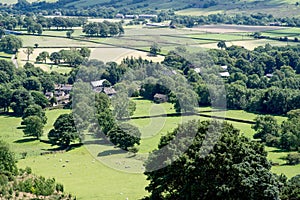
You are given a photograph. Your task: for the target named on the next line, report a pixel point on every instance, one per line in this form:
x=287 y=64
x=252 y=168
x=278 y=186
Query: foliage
x=155 y=49
x=35 y=110
x=103 y=29
x=235 y=168
x=28 y=51
x=64 y=131
x=11 y=44
x=291 y=190
x=293 y=158
x=264 y=126
x=33 y=126
x=20 y=100
x=124 y=135
x=290 y=136
x=7 y=160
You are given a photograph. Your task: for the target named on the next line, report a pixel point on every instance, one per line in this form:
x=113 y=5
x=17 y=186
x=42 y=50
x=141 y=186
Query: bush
x=59 y=187
x=293 y=158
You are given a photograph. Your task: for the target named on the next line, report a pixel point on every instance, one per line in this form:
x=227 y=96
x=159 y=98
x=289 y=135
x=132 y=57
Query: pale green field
x=45 y=41
x=275 y=155
x=225 y=37
x=96 y=171
x=249 y=44
x=10 y=132
x=86 y=178
x=5 y=56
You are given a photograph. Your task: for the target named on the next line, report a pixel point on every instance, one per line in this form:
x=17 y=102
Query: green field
x=98 y=171
x=5 y=56
x=11 y=132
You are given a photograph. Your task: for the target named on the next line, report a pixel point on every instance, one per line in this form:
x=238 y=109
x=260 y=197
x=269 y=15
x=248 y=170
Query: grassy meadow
x=98 y=170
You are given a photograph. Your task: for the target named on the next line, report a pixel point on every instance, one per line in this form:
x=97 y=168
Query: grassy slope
x=81 y=176
x=11 y=132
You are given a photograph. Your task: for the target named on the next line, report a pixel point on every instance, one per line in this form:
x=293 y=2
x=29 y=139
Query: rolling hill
x=180 y=4
x=279 y=8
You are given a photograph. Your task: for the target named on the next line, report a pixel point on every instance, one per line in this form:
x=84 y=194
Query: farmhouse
x=99 y=83
x=120 y=16
x=61 y=93
x=109 y=91
x=145 y=16
x=157 y=25
x=224 y=67
x=131 y=16
x=160 y=98
x=224 y=74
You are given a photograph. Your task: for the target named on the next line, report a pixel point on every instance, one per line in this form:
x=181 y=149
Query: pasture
x=99 y=166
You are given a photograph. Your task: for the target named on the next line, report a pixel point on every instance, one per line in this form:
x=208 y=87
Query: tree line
x=35 y=24
x=103 y=29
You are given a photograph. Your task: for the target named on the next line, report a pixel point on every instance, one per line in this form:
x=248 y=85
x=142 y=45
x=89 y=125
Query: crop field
x=44 y=41
x=233 y=28
x=48 y=66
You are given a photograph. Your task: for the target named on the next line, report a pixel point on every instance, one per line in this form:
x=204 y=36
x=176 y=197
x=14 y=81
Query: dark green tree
x=35 y=110
x=221 y=45
x=33 y=126
x=7 y=160
x=265 y=125
x=124 y=136
x=155 y=49
x=20 y=100
x=64 y=131
x=11 y=44
x=235 y=168
x=291 y=190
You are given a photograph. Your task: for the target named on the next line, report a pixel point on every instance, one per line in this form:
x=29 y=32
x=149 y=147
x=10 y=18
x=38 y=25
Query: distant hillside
x=181 y=4
x=280 y=8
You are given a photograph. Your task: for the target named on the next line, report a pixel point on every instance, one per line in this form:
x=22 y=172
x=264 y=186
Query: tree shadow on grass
x=9 y=114
x=25 y=140
x=111 y=152
x=279 y=151
x=98 y=142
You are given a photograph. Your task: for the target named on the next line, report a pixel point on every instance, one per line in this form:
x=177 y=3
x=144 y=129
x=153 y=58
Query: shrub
x=293 y=158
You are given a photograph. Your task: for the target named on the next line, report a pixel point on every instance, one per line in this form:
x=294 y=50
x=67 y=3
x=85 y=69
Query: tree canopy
x=236 y=168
